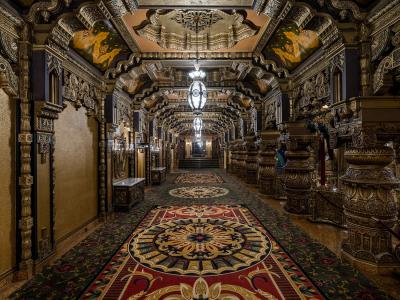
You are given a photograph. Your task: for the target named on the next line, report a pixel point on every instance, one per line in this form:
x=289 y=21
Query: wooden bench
x=158 y=175
x=127 y=192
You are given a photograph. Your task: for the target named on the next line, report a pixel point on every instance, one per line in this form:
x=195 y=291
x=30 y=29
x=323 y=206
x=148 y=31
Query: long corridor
x=199 y=235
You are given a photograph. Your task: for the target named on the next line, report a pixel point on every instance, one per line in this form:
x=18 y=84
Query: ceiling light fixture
x=197 y=124
x=197 y=93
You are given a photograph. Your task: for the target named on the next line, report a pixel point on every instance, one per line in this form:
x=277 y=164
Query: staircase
x=198 y=163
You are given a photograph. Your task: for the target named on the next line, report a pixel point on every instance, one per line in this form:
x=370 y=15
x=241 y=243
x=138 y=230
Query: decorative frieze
x=79 y=92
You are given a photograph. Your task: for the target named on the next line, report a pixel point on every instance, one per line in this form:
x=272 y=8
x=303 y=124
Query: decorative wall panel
x=76 y=183
x=7 y=184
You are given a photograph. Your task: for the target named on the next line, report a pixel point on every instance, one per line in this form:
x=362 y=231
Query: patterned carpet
x=90 y=266
x=191 y=252
x=196 y=192
x=199 y=178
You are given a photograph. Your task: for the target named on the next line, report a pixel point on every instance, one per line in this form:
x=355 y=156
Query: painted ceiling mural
x=291 y=45
x=101 y=45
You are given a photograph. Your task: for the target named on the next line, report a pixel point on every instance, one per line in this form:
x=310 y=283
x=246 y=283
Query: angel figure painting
x=291 y=45
x=100 y=45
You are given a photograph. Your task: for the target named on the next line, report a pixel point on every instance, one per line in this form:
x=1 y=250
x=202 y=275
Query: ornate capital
x=8 y=79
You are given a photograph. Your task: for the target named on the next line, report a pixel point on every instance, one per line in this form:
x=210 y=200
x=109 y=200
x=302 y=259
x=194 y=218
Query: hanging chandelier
x=197 y=124
x=197 y=93
x=198 y=136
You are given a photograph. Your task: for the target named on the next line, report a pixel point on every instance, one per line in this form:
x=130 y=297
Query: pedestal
x=267 y=162
x=297 y=178
x=251 y=160
x=370 y=207
x=241 y=161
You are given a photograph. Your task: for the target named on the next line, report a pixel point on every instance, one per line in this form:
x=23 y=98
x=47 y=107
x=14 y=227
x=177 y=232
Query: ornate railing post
x=267 y=162
x=241 y=159
x=297 y=178
x=251 y=159
x=370 y=202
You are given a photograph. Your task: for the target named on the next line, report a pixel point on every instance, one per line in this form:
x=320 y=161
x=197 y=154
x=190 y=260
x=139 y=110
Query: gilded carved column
x=251 y=159
x=297 y=178
x=25 y=180
x=370 y=202
x=267 y=162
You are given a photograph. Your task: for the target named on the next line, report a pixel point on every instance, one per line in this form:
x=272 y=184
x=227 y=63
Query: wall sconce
x=141 y=147
x=325 y=107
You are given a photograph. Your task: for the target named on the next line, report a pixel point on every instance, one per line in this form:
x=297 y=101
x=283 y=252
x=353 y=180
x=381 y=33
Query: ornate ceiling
x=148 y=47
x=175 y=30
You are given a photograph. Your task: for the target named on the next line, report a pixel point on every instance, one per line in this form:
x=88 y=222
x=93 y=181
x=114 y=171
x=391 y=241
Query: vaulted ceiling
x=148 y=47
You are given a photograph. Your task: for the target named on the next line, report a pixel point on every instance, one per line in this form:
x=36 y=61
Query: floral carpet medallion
x=227 y=256
x=196 y=192
x=199 y=178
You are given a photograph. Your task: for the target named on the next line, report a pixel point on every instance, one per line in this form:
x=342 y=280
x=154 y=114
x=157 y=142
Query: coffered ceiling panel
x=191 y=30
x=196 y=3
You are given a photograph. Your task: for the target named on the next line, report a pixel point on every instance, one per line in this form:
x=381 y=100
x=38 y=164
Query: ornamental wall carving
x=312 y=94
x=269 y=113
x=79 y=92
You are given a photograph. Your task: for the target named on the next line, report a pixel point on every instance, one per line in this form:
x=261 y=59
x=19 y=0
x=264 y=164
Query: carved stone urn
x=370 y=206
x=267 y=162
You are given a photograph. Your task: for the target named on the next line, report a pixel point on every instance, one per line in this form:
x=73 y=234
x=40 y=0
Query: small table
x=127 y=192
x=158 y=175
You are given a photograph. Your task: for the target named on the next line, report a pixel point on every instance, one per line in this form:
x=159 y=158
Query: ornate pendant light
x=197 y=124
x=197 y=94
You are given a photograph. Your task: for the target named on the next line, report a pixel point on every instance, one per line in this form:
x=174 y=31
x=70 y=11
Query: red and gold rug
x=201 y=252
x=199 y=178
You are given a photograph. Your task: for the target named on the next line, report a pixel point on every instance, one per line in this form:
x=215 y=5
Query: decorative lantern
x=197 y=94
x=197 y=124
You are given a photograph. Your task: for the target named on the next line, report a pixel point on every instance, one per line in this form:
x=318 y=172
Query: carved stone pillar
x=370 y=206
x=297 y=178
x=25 y=180
x=251 y=159
x=267 y=162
